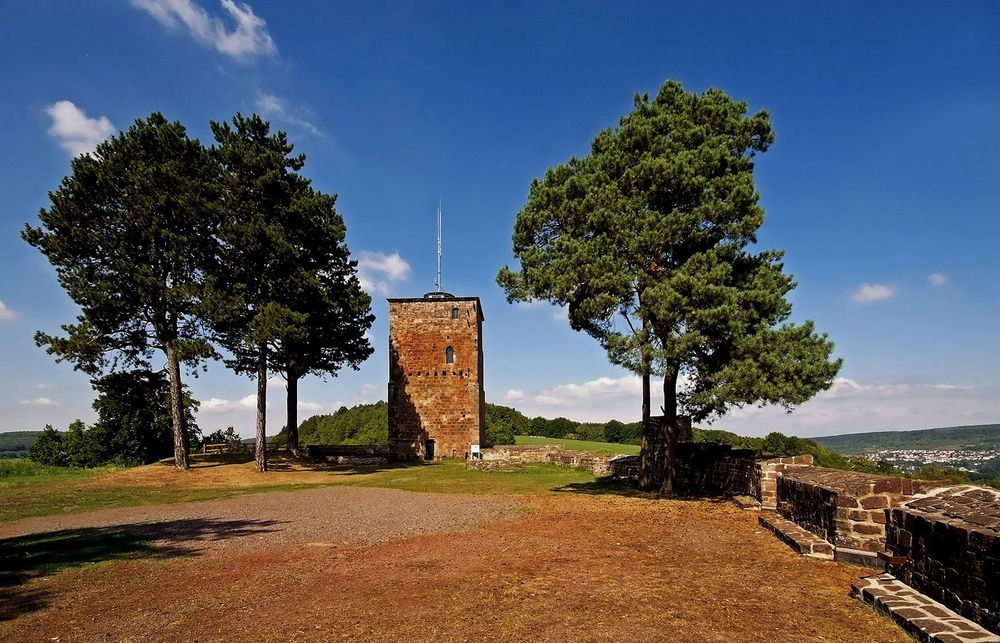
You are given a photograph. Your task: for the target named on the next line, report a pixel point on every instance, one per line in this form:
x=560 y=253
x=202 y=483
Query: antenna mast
x=437 y=280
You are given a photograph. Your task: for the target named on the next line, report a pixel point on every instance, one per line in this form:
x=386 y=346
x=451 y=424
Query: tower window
x=449 y=355
x=454 y=313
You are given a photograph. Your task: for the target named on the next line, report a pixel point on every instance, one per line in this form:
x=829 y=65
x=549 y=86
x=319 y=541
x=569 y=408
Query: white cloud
x=600 y=399
x=277 y=108
x=866 y=293
x=378 y=271
x=216 y=405
x=310 y=406
x=6 y=313
x=276 y=382
x=247 y=37
x=851 y=406
x=76 y=132
x=42 y=386
x=40 y=401
x=219 y=405
x=937 y=279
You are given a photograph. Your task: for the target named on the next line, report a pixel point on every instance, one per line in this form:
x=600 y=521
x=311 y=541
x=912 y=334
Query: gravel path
x=325 y=516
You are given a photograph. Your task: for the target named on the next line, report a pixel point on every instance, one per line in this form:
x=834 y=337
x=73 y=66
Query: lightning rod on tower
x=437 y=280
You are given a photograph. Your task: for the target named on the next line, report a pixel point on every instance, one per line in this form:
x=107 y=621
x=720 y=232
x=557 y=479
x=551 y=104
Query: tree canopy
x=649 y=241
x=285 y=293
x=130 y=233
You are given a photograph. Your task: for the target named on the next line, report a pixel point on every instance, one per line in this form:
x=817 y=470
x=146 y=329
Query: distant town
x=969 y=460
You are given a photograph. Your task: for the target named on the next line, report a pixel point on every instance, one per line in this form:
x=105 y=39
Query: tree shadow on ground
x=25 y=558
x=608 y=486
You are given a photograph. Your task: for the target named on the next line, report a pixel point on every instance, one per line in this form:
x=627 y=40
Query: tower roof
x=435 y=297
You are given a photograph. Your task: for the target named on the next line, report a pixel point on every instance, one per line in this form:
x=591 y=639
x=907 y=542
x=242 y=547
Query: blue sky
x=883 y=186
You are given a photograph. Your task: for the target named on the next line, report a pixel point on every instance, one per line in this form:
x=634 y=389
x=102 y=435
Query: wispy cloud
x=867 y=293
x=278 y=109
x=310 y=406
x=220 y=405
x=937 y=279
x=40 y=401
x=244 y=37
x=852 y=406
x=849 y=406
x=600 y=399
x=378 y=271
x=76 y=132
x=6 y=313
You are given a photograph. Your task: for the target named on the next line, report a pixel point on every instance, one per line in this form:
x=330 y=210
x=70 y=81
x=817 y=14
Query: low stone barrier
x=512 y=457
x=348 y=453
x=765 y=474
x=951 y=540
x=846 y=508
x=704 y=467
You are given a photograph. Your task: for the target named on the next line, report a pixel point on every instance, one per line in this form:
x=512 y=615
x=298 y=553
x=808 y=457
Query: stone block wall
x=701 y=468
x=431 y=399
x=348 y=453
x=714 y=468
x=846 y=508
x=765 y=474
x=951 y=539
x=503 y=457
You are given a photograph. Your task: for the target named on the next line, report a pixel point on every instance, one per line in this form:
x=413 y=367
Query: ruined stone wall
x=430 y=399
x=951 y=538
x=359 y=454
x=512 y=457
x=701 y=468
x=846 y=508
x=765 y=474
x=714 y=468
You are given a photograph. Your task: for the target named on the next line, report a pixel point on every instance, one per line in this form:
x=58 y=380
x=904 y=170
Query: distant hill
x=976 y=437
x=14 y=444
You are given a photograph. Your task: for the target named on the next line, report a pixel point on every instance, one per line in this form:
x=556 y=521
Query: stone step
x=922 y=617
x=747 y=502
x=801 y=540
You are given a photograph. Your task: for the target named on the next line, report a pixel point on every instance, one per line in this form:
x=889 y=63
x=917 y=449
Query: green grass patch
x=451 y=476
x=14 y=471
x=64 y=491
x=609 y=448
x=63 y=497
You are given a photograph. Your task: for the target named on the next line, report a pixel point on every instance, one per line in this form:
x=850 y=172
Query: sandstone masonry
x=436 y=399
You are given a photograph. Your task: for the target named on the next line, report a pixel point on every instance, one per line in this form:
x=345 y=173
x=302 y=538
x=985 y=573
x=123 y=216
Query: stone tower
x=436 y=401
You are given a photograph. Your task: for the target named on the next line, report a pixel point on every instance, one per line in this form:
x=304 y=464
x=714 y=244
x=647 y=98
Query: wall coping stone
x=977 y=508
x=922 y=617
x=856 y=482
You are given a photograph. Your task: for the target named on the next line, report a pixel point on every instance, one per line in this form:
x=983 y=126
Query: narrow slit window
x=449 y=355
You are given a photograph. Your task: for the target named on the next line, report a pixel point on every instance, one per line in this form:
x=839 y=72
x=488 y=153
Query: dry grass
x=582 y=565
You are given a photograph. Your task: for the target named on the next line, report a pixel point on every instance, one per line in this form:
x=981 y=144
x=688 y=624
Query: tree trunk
x=671 y=429
x=650 y=455
x=292 y=416
x=260 y=452
x=177 y=416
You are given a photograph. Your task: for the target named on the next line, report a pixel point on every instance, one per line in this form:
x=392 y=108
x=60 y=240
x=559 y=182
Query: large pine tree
x=649 y=242
x=130 y=233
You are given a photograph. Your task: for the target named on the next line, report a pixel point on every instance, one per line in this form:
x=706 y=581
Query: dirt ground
x=378 y=564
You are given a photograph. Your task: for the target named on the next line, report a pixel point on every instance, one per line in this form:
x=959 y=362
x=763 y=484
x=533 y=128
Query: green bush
x=49 y=449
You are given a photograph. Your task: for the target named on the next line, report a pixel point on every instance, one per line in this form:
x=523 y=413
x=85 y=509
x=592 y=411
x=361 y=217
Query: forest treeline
x=368 y=424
